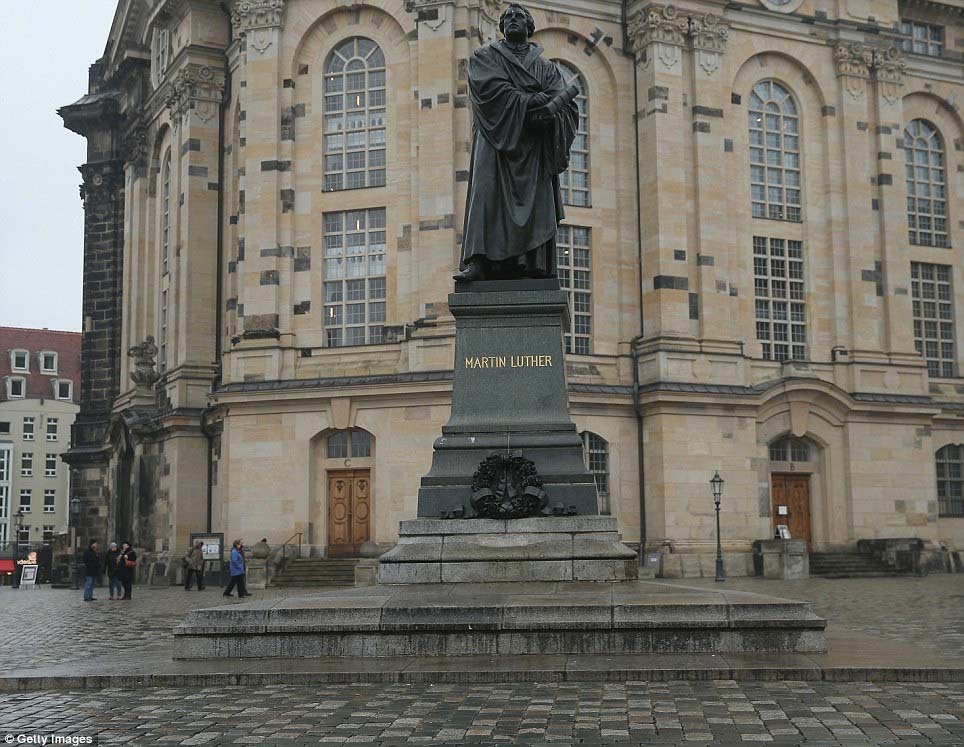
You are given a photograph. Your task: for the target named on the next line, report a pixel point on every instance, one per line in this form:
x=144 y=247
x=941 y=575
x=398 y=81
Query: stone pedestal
x=257 y=573
x=785 y=559
x=508 y=395
x=555 y=548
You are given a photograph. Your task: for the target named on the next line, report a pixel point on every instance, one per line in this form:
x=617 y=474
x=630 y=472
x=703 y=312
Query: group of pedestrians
x=118 y=563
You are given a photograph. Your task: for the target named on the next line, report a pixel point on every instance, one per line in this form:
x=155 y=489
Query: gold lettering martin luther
x=508 y=361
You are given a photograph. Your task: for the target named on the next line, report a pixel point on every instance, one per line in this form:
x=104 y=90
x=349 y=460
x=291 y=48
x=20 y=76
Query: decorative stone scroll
x=660 y=32
x=135 y=148
x=856 y=62
x=99 y=190
x=197 y=89
x=257 y=21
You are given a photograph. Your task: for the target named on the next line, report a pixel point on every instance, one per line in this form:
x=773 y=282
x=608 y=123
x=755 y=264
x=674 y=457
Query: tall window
x=50 y=500
x=50 y=465
x=26 y=464
x=574 y=182
x=351 y=443
x=572 y=260
x=922 y=38
x=774 y=152
x=6 y=467
x=162 y=349
x=950 y=498
x=596 y=452
x=926 y=185
x=28 y=428
x=790 y=449
x=781 y=313
x=932 y=299
x=355 y=116
x=48 y=533
x=52 y=424
x=166 y=211
x=26 y=495
x=354 y=277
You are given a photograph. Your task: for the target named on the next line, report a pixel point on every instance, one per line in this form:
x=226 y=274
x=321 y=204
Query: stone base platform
x=554 y=548
x=510 y=619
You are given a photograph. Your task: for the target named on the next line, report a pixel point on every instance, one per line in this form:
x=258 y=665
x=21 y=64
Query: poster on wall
x=212 y=545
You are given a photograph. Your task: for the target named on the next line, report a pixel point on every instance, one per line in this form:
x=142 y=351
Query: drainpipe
x=641 y=459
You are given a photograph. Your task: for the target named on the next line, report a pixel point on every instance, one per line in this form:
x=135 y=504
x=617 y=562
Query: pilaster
x=658 y=37
x=258 y=24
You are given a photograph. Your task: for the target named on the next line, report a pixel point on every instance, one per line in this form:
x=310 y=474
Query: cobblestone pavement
x=72 y=630
x=719 y=713
x=927 y=611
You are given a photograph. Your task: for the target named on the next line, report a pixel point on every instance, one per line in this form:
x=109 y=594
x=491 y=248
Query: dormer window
x=20 y=360
x=64 y=389
x=16 y=387
x=48 y=362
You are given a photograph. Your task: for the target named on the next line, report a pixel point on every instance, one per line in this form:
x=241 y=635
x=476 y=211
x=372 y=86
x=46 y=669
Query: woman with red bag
x=126 y=564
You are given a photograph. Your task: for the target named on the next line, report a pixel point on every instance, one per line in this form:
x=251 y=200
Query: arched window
x=355 y=116
x=165 y=257
x=790 y=449
x=596 y=452
x=926 y=185
x=574 y=182
x=350 y=444
x=166 y=210
x=774 y=152
x=950 y=498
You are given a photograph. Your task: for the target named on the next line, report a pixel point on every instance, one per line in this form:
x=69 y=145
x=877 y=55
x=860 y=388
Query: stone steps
x=319 y=572
x=502 y=619
x=848 y=565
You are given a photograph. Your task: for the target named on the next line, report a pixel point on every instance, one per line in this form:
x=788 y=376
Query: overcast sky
x=48 y=46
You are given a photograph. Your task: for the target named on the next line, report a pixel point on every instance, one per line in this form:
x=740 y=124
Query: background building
x=762 y=251
x=40 y=376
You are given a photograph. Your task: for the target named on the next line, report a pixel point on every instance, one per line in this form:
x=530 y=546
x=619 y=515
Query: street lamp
x=74 y=513
x=716 y=484
x=19 y=516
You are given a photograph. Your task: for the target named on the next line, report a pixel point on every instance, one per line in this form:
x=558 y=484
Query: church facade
x=761 y=251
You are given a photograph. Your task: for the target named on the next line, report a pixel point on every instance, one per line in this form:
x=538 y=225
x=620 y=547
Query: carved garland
x=507 y=486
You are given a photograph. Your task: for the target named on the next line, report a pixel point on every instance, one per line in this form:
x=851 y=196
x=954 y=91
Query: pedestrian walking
x=238 y=570
x=91 y=570
x=195 y=567
x=126 y=564
x=110 y=566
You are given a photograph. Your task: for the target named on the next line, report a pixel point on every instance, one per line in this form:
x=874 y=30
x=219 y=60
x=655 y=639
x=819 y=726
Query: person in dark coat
x=524 y=119
x=238 y=570
x=126 y=564
x=110 y=566
x=195 y=567
x=91 y=570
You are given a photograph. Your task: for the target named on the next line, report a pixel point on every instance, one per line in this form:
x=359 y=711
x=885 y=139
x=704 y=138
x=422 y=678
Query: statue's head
x=514 y=20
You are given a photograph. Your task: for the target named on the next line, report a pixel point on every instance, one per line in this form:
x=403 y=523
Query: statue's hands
x=537 y=101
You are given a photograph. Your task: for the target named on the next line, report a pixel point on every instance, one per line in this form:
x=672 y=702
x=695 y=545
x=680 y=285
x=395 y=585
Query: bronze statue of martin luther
x=524 y=122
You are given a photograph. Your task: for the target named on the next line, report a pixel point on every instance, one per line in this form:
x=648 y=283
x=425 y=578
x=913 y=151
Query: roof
x=65 y=344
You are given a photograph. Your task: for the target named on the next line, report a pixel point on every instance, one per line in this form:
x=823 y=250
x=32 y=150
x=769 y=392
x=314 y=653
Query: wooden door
x=793 y=493
x=349 y=511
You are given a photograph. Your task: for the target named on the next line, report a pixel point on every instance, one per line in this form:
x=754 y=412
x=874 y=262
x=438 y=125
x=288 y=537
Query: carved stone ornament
x=144 y=373
x=256 y=20
x=135 y=147
x=99 y=190
x=659 y=33
x=855 y=62
x=197 y=89
x=507 y=486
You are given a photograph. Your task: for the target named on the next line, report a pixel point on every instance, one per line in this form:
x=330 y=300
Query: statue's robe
x=514 y=205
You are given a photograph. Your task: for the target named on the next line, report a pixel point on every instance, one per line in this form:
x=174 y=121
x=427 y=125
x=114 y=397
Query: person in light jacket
x=237 y=570
x=195 y=567
x=110 y=565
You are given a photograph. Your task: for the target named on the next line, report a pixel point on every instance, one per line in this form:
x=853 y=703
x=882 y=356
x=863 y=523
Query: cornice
x=248 y=15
